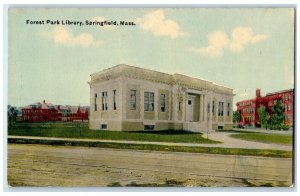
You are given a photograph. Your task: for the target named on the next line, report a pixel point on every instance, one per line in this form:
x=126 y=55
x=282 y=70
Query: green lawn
x=209 y=150
x=71 y=131
x=265 y=137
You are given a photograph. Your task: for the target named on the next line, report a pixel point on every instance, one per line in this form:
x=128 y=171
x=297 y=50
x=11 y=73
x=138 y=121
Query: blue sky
x=243 y=49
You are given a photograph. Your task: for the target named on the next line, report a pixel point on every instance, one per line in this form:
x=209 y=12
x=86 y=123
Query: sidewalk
x=256 y=130
x=228 y=142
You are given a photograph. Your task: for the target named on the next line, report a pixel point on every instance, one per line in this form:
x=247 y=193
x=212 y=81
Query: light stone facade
x=178 y=102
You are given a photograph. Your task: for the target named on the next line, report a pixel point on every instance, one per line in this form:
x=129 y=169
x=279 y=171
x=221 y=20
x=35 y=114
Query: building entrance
x=190 y=109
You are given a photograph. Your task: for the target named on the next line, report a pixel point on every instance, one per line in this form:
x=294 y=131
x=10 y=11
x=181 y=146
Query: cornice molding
x=158 y=77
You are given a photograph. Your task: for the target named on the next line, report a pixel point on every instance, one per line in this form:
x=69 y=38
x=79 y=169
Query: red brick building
x=40 y=112
x=47 y=112
x=72 y=113
x=248 y=109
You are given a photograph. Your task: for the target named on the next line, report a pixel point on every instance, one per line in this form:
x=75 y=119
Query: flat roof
x=279 y=92
x=157 y=76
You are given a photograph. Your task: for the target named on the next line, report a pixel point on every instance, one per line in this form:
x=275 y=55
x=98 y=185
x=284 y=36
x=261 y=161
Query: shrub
x=285 y=127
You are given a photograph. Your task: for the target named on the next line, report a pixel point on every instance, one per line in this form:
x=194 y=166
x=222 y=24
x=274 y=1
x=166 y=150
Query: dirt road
x=41 y=165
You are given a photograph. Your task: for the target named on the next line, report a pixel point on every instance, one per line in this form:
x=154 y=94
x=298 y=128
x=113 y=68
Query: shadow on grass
x=235 y=131
x=166 y=132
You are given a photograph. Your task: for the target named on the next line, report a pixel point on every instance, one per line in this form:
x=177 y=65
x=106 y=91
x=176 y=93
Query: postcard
x=150 y=97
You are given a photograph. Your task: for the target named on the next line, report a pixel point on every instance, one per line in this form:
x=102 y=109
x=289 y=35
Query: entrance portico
x=197 y=113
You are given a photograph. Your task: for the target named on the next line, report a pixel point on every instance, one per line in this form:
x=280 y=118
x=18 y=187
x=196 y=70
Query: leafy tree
x=276 y=121
x=236 y=117
x=12 y=114
x=263 y=116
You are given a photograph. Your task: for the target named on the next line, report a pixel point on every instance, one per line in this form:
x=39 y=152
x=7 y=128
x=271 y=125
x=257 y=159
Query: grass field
x=151 y=147
x=71 y=131
x=265 y=137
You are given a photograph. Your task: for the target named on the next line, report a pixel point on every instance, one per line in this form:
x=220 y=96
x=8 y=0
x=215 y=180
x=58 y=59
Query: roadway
x=42 y=165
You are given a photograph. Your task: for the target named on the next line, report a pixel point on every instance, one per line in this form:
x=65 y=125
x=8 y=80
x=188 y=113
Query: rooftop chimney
x=257 y=92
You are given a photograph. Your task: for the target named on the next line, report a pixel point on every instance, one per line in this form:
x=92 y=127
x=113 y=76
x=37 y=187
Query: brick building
x=47 y=112
x=40 y=112
x=71 y=113
x=248 y=109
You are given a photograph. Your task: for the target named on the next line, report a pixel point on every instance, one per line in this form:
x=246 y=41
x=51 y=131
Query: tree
x=276 y=121
x=263 y=116
x=236 y=117
x=12 y=114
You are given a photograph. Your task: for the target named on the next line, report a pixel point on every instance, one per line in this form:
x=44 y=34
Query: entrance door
x=190 y=109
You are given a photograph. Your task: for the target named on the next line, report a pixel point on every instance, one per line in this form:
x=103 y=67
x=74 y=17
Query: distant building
x=65 y=113
x=248 y=109
x=40 y=112
x=128 y=98
x=47 y=112
x=71 y=113
x=78 y=113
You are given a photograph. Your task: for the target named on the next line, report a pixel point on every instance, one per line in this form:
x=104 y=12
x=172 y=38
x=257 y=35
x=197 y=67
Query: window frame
x=114 y=99
x=132 y=102
x=104 y=101
x=221 y=109
x=213 y=108
x=95 y=102
x=149 y=101
x=163 y=102
x=228 y=109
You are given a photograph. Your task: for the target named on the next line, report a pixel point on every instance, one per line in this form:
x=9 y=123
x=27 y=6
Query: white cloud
x=219 y=41
x=157 y=23
x=242 y=36
x=63 y=36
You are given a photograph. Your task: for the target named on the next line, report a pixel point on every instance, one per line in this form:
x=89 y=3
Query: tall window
x=95 y=101
x=114 y=99
x=221 y=109
x=104 y=101
x=132 y=99
x=228 y=109
x=163 y=102
x=213 y=108
x=149 y=101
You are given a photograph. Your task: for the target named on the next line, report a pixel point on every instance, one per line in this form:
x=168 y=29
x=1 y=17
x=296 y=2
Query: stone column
x=224 y=111
x=201 y=108
x=217 y=109
x=141 y=102
x=204 y=109
x=210 y=115
x=170 y=105
x=184 y=113
x=125 y=100
x=231 y=111
x=156 y=104
x=174 y=106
